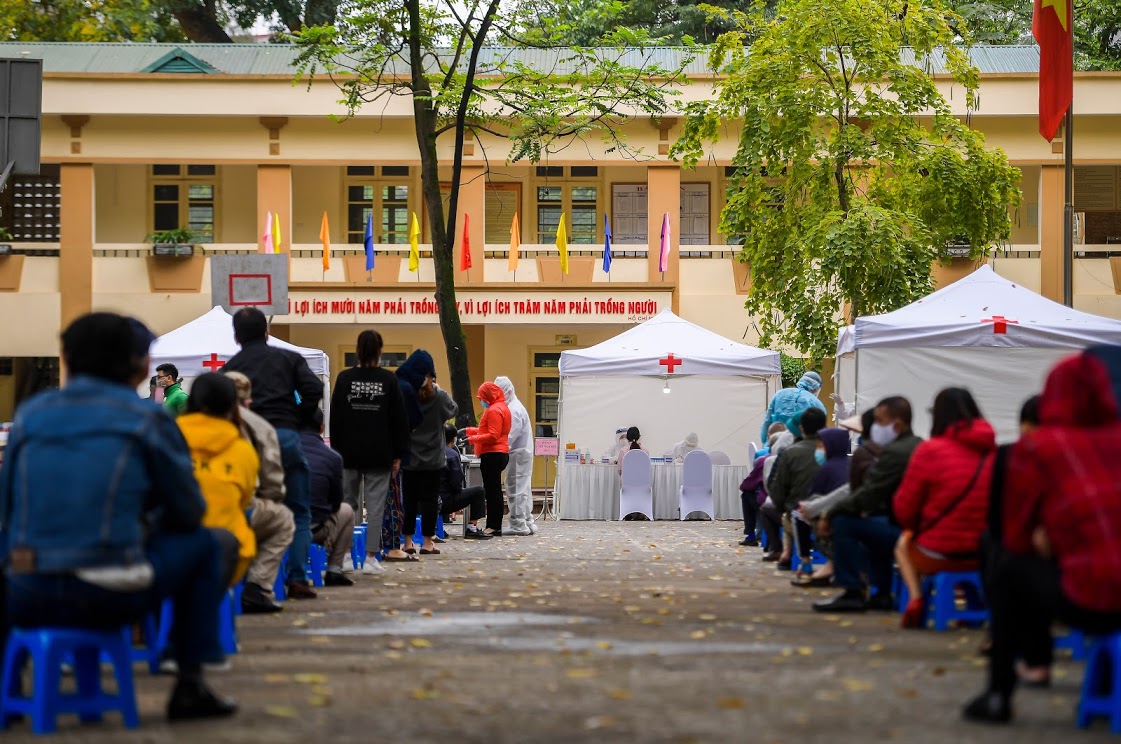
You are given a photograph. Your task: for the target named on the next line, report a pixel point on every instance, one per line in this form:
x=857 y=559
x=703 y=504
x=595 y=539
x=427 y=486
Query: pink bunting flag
x=663 y=259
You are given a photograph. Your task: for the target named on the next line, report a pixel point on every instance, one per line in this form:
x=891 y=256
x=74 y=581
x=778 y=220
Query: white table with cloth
x=592 y=491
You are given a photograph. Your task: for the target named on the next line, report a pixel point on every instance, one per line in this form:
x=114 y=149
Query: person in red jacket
x=491 y=442
x=1062 y=527
x=944 y=497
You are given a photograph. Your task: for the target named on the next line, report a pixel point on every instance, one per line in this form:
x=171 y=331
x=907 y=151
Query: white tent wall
x=1000 y=379
x=725 y=412
x=844 y=378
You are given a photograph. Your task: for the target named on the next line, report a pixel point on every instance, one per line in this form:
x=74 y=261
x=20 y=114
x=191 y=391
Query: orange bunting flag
x=515 y=243
x=465 y=256
x=325 y=237
x=1052 y=26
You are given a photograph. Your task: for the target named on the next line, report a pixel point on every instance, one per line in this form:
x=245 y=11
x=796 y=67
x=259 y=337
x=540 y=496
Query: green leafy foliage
x=87 y=20
x=792 y=369
x=853 y=174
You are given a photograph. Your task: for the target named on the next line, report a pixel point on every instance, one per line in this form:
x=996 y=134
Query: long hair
x=369 y=348
x=953 y=406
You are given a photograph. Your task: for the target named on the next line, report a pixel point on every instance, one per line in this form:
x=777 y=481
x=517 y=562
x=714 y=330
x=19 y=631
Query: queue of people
x=1039 y=519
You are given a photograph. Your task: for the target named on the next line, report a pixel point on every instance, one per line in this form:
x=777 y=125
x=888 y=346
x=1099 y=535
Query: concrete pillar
x=663 y=182
x=274 y=194
x=1051 y=232
x=76 y=239
x=472 y=202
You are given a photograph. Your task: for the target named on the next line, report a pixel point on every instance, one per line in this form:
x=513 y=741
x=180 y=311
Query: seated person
x=454 y=496
x=942 y=502
x=332 y=519
x=685 y=446
x=791 y=478
x=1061 y=519
x=272 y=522
x=103 y=541
x=833 y=456
x=225 y=464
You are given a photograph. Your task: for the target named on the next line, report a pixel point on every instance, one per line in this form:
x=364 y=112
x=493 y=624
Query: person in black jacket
x=454 y=496
x=283 y=387
x=370 y=429
x=332 y=520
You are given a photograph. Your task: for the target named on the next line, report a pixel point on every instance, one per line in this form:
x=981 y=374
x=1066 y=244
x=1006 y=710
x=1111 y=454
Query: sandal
x=434 y=551
x=399 y=559
x=410 y=551
x=812 y=582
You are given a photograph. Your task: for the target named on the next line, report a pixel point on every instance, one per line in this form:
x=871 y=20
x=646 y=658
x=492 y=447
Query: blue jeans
x=297 y=497
x=863 y=544
x=186 y=567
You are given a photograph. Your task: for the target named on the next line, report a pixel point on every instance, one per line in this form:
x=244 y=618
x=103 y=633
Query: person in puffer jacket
x=492 y=444
x=944 y=497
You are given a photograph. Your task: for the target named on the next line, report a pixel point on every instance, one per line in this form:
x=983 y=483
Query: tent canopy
x=983 y=309
x=667 y=345
x=198 y=346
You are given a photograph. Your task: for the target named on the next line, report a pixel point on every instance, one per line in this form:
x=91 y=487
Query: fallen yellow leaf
x=310 y=679
x=730 y=703
x=619 y=694
x=282 y=711
x=420 y=643
x=581 y=673
x=277 y=679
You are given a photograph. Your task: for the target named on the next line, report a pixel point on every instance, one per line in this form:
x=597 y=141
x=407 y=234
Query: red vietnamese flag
x=465 y=255
x=1052 y=27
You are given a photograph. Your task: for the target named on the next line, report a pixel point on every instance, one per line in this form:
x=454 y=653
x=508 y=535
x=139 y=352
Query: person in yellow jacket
x=226 y=465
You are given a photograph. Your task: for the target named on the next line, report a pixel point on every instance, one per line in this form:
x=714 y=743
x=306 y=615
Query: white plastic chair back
x=752 y=451
x=696 y=485
x=720 y=458
x=637 y=492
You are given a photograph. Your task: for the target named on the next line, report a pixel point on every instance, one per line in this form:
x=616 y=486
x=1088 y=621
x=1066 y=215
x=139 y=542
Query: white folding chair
x=720 y=458
x=752 y=451
x=696 y=485
x=637 y=492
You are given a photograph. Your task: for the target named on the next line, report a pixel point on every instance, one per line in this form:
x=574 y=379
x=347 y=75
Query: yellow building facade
x=139 y=138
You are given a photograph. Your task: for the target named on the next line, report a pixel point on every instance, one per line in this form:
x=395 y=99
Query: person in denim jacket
x=100 y=514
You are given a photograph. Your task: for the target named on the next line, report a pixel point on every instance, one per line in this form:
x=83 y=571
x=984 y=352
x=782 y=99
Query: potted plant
x=177 y=242
x=5 y=247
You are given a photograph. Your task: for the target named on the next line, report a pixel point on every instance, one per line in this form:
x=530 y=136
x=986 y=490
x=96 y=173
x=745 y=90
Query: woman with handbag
x=944 y=497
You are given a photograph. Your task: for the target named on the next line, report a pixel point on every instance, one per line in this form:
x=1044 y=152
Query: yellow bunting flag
x=325 y=237
x=562 y=245
x=414 y=244
x=515 y=243
x=276 y=232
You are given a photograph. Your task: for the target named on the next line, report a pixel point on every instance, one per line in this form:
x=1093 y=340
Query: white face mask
x=884 y=434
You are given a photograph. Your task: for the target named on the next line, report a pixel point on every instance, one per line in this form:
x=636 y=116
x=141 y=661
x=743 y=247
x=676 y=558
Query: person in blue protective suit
x=789 y=402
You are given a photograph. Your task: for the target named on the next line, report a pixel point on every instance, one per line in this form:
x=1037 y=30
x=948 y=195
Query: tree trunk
x=443 y=242
x=200 y=26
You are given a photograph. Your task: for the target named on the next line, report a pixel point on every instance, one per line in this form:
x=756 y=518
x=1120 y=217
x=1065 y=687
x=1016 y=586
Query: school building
x=140 y=138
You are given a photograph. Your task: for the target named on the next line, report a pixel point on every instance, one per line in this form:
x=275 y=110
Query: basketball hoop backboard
x=258 y=280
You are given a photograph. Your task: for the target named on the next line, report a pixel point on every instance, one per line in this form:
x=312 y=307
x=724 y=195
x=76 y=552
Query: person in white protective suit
x=519 y=473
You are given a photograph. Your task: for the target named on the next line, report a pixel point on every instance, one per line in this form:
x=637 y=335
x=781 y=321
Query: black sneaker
x=880 y=603
x=988 y=707
x=192 y=700
x=749 y=542
x=477 y=534
x=254 y=601
x=336 y=578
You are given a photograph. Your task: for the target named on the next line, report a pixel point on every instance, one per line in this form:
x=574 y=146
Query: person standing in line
x=272 y=522
x=492 y=444
x=278 y=377
x=174 y=396
x=519 y=473
x=370 y=429
x=421 y=474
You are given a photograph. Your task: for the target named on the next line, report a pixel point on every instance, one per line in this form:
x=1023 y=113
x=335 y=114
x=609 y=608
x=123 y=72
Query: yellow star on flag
x=1060 y=7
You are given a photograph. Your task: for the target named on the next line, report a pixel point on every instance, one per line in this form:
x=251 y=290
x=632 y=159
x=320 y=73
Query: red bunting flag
x=465 y=256
x=1053 y=28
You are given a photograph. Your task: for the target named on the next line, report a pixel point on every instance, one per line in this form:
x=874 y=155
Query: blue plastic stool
x=280 y=588
x=47 y=648
x=418 y=537
x=317 y=564
x=358 y=547
x=228 y=611
x=1101 y=686
x=1077 y=642
x=941 y=605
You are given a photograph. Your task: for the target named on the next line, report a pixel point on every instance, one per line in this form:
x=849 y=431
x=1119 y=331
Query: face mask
x=884 y=434
x=819 y=457
x=485 y=404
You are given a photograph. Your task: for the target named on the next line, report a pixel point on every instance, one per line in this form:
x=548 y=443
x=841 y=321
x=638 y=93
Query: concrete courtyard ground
x=593 y=631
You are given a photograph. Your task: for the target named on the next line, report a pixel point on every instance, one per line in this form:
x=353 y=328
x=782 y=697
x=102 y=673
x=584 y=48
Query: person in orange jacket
x=492 y=444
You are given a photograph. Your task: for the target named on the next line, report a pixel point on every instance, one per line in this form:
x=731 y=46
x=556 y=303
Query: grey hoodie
x=428 y=437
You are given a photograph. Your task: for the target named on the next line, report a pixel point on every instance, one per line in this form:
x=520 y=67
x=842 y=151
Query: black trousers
x=750 y=512
x=1025 y=598
x=771 y=521
x=492 y=464
x=421 y=494
x=472 y=496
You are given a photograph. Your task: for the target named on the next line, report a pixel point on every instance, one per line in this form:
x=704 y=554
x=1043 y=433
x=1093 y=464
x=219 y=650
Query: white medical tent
x=712 y=386
x=209 y=340
x=982 y=332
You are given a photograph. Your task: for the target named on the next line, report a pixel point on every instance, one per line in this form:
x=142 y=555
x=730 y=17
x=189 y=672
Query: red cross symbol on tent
x=1000 y=323
x=214 y=363
x=671 y=362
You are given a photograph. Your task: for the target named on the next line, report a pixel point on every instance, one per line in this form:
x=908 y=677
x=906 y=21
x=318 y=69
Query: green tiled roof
x=278 y=59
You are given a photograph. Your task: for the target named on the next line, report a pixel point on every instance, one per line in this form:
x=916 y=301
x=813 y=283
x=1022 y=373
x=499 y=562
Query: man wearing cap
x=789 y=402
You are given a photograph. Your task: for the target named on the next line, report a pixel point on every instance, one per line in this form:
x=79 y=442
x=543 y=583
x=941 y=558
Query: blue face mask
x=819 y=457
x=485 y=404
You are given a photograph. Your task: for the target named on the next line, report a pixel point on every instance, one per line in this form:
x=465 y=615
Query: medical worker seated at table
x=685 y=446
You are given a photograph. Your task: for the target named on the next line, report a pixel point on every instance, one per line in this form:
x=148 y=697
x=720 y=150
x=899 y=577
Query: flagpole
x=1068 y=210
